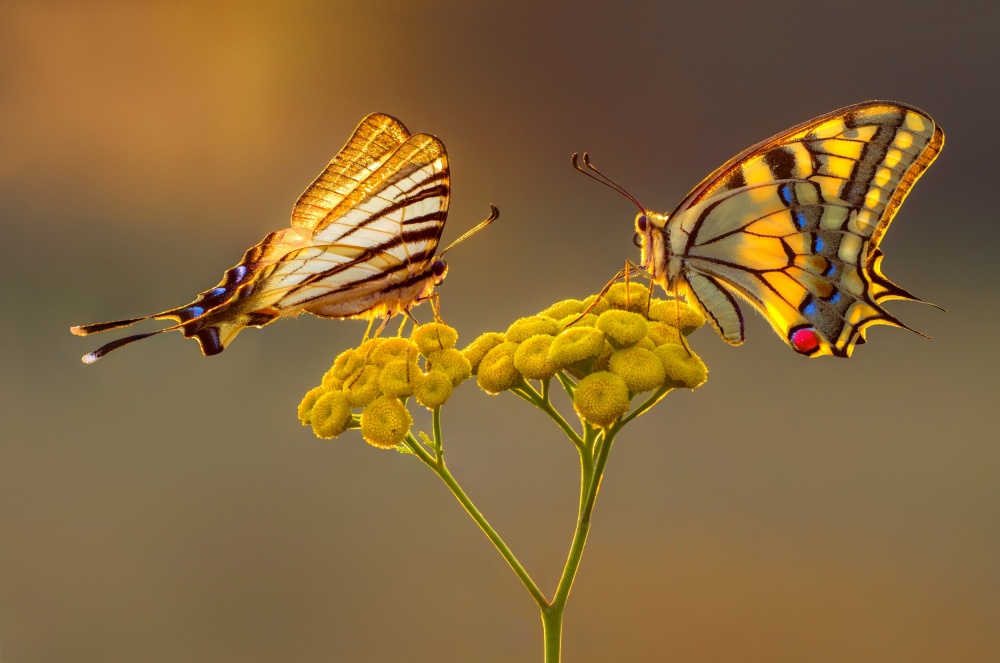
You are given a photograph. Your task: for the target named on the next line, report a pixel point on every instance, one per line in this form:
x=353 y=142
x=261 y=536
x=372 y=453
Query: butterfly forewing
x=793 y=224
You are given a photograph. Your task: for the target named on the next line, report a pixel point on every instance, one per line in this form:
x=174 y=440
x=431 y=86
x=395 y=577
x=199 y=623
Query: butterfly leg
x=406 y=319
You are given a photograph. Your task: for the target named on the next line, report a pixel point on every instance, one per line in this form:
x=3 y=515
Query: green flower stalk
x=603 y=352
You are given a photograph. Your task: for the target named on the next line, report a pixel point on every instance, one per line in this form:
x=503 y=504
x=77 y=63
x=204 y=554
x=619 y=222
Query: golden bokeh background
x=161 y=506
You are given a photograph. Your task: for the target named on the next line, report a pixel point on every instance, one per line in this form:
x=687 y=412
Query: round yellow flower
x=561 y=309
x=394 y=349
x=452 y=363
x=601 y=398
x=476 y=350
x=676 y=314
x=346 y=363
x=433 y=390
x=623 y=328
x=637 y=296
x=639 y=368
x=363 y=388
x=399 y=378
x=330 y=415
x=684 y=368
x=662 y=332
x=532 y=358
x=434 y=336
x=366 y=349
x=575 y=345
x=525 y=328
x=308 y=401
x=385 y=422
x=497 y=372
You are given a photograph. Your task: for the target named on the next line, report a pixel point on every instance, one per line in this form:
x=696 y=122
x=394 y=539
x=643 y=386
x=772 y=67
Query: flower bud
x=399 y=378
x=433 y=390
x=331 y=415
x=346 y=363
x=532 y=358
x=601 y=398
x=682 y=366
x=434 y=336
x=385 y=422
x=525 y=328
x=452 y=363
x=637 y=296
x=677 y=314
x=662 y=332
x=575 y=345
x=308 y=401
x=622 y=328
x=497 y=372
x=476 y=350
x=363 y=388
x=639 y=368
x=599 y=308
x=394 y=349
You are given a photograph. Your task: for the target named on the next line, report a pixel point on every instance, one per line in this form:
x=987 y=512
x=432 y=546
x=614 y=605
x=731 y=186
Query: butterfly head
x=650 y=239
x=439 y=270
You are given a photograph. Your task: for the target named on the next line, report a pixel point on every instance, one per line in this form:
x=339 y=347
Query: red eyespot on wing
x=805 y=340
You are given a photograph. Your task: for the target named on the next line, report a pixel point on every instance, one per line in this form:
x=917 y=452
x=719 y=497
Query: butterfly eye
x=641 y=223
x=438 y=268
x=637 y=240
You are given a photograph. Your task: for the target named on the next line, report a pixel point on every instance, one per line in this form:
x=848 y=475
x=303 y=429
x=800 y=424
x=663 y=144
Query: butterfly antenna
x=602 y=178
x=494 y=215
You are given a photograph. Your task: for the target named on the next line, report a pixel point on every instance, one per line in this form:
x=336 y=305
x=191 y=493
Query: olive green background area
x=163 y=506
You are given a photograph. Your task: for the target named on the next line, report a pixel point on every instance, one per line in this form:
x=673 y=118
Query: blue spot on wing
x=810 y=309
x=835 y=298
x=799 y=218
x=818 y=244
x=215 y=292
x=785 y=192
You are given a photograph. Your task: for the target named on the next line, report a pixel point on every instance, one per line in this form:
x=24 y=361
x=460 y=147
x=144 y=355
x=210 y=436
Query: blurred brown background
x=161 y=506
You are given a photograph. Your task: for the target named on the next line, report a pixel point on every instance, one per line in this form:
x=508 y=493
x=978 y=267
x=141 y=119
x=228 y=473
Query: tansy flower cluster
x=623 y=346
x=378 y=377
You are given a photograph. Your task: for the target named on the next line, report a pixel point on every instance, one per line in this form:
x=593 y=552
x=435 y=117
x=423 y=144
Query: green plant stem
x=543 y=404
x=591 y=473
x=439 y=467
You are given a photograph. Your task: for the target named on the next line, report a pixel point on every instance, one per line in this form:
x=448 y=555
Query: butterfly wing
x=365 y=228
x=793 y=225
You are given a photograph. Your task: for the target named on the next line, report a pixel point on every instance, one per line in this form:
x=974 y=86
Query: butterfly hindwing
x=792 y=224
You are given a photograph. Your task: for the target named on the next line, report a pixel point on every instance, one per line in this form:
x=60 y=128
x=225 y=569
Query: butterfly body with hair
x=792 y=226
x=361 y=245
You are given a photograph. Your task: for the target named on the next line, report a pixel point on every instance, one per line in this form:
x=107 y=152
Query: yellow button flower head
x=366 y=349
x=525 y=328
x=346 y=364
x=331 y=415
x=623 y=328
x=433 y=390
x=399 y=378
x=385 y=422
x=575 y=345
x=308 y=401
x=394 y=349
x=434 y=336
x=601 y=398
x=561 y=309
x=639 y=368
x=476 y=350
x=532 y=358
x=496 y=371
x=686 y=369
x=674 y=312
x=331 y=382
x=663 y=332
x=637 y=295
x=363 y=388
x=452 y=363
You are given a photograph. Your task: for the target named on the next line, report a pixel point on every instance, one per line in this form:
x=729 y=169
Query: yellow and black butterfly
x=361 y=245
x=792 y=225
